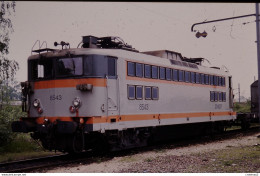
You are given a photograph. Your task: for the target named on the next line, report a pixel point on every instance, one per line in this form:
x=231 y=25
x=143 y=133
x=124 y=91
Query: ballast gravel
x=170 y=160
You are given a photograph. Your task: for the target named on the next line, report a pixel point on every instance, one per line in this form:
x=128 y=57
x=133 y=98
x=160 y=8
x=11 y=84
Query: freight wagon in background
x=106 y=95
x=246 y=118
x=254 y=99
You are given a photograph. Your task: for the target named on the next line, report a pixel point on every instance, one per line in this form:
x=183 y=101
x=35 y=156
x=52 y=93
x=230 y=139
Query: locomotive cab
x=63 y=93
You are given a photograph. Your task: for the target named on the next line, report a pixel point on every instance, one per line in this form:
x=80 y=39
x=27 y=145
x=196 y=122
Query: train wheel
x=75 y=143
x=78 y=142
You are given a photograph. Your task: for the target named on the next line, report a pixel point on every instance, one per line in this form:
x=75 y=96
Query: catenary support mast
x=258 y=52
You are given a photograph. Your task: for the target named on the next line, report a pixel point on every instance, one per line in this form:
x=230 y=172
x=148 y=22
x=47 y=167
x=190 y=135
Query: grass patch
x=99 y=160
x=8 y=157
x=233 y=128
x=128 y=159
x=235 y=159
x=160 y=150
x=229 y=146
x=254 y=124
x=22 y=147
x=22 y=143
x=227 y=163
x=148 y=160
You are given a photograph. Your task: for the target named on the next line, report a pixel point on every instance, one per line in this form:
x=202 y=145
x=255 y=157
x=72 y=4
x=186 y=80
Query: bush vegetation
x=10 y=141
x=242 y=107
x=16 y=146
x=8 y=114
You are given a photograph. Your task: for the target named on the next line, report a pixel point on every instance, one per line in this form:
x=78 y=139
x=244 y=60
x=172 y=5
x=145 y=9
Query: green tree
x=7 y=115
x=8 y=69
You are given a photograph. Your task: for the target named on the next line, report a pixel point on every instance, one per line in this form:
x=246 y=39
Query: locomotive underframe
x=74 y=137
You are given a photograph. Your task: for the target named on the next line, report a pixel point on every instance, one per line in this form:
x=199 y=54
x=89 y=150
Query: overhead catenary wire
x=160 y=14
x=236 y=38
x=233 y=25
x=216 y=30
x=183 y=22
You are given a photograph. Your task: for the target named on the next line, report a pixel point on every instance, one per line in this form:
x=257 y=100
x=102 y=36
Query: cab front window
x=89 y=66
x=69 y=67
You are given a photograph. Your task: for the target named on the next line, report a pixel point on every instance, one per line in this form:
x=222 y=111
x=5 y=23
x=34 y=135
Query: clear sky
x=145 y=26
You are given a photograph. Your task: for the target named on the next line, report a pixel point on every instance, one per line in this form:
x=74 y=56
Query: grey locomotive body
x=108 y=95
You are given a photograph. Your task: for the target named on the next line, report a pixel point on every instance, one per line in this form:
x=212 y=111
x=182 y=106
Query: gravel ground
x=194 y=158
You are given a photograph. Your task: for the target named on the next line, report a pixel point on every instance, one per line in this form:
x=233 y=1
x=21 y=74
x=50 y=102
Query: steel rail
x=22 y=165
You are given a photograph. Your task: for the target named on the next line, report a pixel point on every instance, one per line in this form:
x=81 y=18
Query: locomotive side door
x=112 y=88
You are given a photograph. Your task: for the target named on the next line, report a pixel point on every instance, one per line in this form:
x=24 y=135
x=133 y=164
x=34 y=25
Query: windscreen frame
x=108 y=65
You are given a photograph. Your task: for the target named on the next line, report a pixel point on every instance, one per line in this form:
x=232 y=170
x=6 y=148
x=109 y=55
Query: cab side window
x=147 y=71
x=155 y=72
x=139 y=70
x=131 y=92
x=130 y=68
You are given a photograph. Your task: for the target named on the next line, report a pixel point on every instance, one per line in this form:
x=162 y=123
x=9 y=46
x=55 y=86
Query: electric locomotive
x=105 y=94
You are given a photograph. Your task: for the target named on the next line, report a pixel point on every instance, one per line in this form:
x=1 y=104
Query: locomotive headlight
x=72 y=109
x=36 y=103
x=40 y=110
x=76 y=102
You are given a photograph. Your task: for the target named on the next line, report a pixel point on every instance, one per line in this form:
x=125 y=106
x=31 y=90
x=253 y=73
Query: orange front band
x=61 y=83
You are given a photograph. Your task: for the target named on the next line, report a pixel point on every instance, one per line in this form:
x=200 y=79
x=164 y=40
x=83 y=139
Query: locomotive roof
x=142 y=57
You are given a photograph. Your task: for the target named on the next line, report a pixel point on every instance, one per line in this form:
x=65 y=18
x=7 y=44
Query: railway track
x=39 y=164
